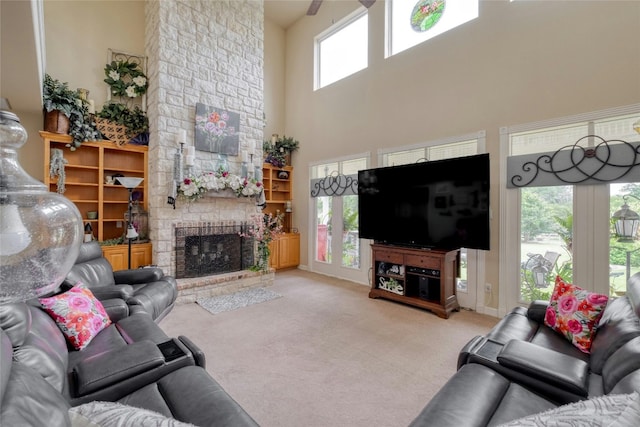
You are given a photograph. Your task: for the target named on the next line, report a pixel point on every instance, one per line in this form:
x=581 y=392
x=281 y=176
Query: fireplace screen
x=212 y=249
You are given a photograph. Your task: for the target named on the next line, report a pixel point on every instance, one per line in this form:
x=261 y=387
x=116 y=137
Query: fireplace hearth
x=210 y=249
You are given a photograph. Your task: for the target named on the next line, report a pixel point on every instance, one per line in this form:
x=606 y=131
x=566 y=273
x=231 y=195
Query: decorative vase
x=222 y=164
x=56 y=122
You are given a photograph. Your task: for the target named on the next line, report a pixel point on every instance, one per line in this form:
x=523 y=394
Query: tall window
x=411 y=22
x=342 y=50
x=337 y=242
x=440 y=150
x=564 y=229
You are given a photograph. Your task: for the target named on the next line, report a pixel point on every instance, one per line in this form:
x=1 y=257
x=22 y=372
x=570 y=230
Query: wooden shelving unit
x=278 y=190
x=86 y=171
x=418 y=277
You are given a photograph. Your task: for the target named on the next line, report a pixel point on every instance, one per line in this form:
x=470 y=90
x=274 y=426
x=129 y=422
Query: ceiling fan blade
x=367 y=3
x=313 y=7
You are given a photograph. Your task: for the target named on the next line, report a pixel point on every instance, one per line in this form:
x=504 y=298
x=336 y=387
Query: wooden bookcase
x=278 y=190
x=86 y=171
x=418 y=277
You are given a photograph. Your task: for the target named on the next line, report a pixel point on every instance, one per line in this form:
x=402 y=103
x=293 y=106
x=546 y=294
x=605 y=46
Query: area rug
x=237 y=300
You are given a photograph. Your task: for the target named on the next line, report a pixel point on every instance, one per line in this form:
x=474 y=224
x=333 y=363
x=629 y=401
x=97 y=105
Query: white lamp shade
x=129 y=182
x=131 y=232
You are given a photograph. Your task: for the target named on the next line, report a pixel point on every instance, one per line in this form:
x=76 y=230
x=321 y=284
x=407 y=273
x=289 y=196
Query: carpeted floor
x=324 y=354
x=219 y=304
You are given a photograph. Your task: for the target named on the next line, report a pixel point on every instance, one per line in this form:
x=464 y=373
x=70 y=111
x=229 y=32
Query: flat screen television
x=441 y=204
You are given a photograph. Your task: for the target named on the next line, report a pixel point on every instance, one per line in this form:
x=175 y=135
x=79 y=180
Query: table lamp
x=130 y=183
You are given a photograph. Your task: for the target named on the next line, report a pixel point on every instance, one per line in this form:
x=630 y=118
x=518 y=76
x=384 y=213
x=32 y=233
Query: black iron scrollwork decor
x=606 y=161
x=335 y=184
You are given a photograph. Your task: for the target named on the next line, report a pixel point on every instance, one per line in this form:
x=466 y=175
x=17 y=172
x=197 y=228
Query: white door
x=337 y=250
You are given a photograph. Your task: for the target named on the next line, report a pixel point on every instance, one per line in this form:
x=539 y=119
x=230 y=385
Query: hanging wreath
x=125 y=79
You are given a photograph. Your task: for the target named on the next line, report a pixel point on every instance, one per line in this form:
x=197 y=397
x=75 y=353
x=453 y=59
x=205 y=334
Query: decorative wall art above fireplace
x=217 y=130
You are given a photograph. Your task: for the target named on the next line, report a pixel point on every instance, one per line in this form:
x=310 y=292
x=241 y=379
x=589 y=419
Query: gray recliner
x=145 y=289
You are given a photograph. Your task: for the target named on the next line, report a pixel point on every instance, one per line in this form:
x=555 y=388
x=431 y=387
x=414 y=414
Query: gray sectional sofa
x=131 y=362
x=129 y=373
x=524 y=373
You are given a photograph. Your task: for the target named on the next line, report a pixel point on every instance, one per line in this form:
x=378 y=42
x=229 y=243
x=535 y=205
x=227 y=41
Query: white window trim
x=479 y=135
x=510 y=208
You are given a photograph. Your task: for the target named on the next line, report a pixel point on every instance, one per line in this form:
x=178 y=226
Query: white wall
x=518 y=62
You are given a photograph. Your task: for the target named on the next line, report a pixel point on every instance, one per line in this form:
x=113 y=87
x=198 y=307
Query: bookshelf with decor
x=88 y=176
x=278 y=192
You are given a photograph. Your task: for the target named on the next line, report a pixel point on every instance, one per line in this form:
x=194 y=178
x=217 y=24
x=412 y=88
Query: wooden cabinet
x=422 y=278
x=86 y=171
x=117 y=255
x=285 y=251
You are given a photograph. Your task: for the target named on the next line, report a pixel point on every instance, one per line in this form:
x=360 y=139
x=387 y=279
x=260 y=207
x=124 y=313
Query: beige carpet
x=326 y=355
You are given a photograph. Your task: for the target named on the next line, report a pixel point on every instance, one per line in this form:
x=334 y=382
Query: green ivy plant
x=135 y=120
x=58 y=96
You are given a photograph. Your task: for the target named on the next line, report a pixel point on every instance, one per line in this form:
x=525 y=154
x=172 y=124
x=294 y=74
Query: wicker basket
x=113 y=131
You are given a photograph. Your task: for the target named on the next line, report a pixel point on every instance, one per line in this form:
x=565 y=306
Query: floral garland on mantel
x=193 y=188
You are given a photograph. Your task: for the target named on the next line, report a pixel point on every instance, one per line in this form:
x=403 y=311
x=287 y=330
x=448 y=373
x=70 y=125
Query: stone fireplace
x=205 y=249
x=224 y=71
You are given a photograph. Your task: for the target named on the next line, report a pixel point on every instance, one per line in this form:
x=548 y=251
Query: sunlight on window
x=410 y=22
x=343 y=50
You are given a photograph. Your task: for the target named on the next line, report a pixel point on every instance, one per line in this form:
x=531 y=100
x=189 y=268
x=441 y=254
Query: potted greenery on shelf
x=66 y=112
x=278 y=152
x=134 y=120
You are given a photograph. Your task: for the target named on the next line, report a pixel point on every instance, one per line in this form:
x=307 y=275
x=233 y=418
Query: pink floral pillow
x=574 y=313
x=78 y=314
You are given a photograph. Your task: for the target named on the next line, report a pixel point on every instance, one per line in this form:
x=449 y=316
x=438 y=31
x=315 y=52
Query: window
x=437 y=152
x=337 y=250
x=471 y=261
x=563 y=229
x=411 y=22
x=342 y=50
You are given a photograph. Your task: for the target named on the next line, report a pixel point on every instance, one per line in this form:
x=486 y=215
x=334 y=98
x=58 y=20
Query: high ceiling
x=285 y=12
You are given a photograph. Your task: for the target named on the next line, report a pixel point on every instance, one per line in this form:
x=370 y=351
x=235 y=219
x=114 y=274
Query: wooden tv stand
x=419 y=277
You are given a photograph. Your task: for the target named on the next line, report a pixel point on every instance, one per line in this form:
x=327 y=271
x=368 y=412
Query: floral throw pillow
x=574 y=312
x=78 y=314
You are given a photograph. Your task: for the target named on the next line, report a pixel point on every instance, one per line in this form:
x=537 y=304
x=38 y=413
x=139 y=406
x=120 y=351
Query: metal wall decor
x=141 y=61
x=335 y=184
x=590 y=160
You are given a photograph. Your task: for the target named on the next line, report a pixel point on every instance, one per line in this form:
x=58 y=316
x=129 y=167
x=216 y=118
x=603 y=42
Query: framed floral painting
x=217 y=130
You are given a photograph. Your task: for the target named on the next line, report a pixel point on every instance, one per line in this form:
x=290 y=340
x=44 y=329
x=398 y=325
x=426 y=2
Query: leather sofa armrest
x=138 y=275
x=198 y=354
x=123 y=292
x=110 y=367
x=116 y=308
x=537 y=310
x=469 y=348
x=560 y=370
